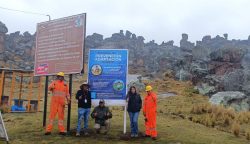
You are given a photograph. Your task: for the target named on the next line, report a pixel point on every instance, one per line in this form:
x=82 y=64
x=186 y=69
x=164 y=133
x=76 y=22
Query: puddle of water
x=133 y=77
x=165 y=95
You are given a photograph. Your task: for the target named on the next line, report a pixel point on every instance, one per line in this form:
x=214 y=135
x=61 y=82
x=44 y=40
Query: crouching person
x=101 y=114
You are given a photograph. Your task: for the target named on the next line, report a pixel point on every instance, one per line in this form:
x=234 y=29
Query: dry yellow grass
x=175 y=122
x=247 y=134
x=236 y=129
x=218 y=116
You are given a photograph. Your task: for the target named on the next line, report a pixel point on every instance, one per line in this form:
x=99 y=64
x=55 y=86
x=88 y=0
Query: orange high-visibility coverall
x=149 y=109
x=60 y=92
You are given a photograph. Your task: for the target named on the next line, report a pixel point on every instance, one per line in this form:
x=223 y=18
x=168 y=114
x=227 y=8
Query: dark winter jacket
x=134 y=102
x=82 y=103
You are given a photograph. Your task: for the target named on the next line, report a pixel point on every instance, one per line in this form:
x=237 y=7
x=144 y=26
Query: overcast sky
x=161 y=20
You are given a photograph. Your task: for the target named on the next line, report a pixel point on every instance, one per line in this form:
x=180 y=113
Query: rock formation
x=213 y=64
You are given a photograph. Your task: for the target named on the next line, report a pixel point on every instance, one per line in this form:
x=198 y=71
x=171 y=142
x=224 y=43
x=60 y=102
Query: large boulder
x=3 y=28
x=183 y=75
x=3 y=31
x=228 y=54
x=246 y=84
x=205 y=89
x=246 y=61
x=238 y=100
x=93 y=41
x=201 y=53
x=136 y=80
x=186 y=45
x=234 y=80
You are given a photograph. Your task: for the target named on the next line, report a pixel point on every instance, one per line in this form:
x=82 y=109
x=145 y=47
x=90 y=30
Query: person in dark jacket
x=101 y=114
x=84 y=104
x=134 y=107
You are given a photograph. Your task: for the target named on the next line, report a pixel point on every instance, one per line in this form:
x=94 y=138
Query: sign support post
x=125 y=120
x=69 y=104
x=45 y=101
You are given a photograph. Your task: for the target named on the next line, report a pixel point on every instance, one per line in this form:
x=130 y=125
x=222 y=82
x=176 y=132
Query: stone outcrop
x=212 y=64
x=3 y=31
x=239 y=101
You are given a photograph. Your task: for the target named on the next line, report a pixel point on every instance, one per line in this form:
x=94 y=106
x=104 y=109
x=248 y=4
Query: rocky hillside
x=212 y=64
x=16 y=50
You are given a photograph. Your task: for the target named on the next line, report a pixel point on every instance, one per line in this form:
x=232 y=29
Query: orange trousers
x=56 y=107
x=150 y=124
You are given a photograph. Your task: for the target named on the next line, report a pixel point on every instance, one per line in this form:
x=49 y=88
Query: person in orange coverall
x=60 y=92
x=149 y=112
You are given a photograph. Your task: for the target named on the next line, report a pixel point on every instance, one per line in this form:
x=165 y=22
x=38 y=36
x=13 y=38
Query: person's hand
x=53 y=86
x=95 y=114
x=80 y=97
x=107 y=114
x=68 y=101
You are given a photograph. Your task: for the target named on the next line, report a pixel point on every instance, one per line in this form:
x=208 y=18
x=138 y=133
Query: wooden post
x=20 y=90
x=39 y=93
x=1 y=86
x=13 y=82
x=30 y=91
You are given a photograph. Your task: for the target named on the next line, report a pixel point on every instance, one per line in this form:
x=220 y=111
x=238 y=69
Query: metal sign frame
x=3 y=127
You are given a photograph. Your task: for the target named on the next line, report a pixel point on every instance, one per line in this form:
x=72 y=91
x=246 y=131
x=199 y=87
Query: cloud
x=161 y=20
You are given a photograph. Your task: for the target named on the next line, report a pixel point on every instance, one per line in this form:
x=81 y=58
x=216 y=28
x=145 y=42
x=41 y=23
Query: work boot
x=86 y=133
x=132 y=135
x=77 y=134
x=62 y=133
x=98 y=131
x=105 y=133
x=154 y=138
x=146 y=135
x=47 y=133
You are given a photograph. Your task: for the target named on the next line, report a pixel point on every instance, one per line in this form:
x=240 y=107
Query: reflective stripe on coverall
x=60 y=92
x=149 y=108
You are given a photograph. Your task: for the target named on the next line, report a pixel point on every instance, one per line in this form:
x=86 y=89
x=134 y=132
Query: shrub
x=230 y=112
x=236 y=129
x=4 y=109
x=208 y=121
x=196 y=109
x=243 y=117
x=247 y=134
x=227 y=120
